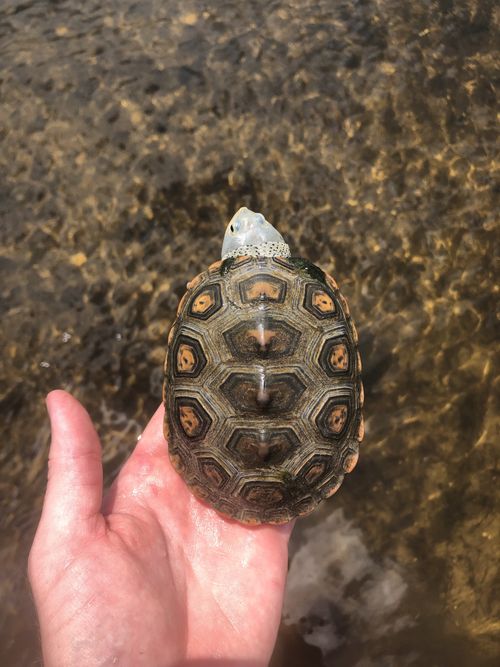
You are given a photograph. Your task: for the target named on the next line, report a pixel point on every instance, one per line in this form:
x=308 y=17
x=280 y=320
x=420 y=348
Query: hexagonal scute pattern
x=262 y=288
x=262 y=337
x=205 y=302
x=192 y=417
x=188 y=358
x=263 y=392
x=320 y=301
x=334 y=417
x=262 y=447
x=335 y=357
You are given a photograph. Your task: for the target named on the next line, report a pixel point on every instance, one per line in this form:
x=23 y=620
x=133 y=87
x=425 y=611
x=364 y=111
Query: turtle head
x=249 y=233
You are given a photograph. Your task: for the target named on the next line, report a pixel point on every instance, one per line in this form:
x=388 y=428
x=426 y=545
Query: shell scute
x=262 y=447
x=205 y=302
x=262 y=337
x=320 y=301
x=262 y=288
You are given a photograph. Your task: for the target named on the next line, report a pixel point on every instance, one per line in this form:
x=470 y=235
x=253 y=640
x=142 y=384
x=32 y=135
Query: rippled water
x=129 y=134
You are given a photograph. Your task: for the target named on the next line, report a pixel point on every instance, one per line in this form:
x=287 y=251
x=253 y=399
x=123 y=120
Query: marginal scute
x=305 y=506
x=333 y=485
x=195 y=281
x=215 y=266
x=355 y=336
x=349 y=460
x=177 y=461
x=360 y=365
x=331 y=281
x=239 y=261
x=182 y=303
x=170 y=335
x=345 y=305
x=361 y=430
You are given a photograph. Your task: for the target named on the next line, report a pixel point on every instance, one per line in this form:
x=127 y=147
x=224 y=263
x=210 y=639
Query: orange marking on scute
x=339 y=357
x=186 y=358
x=190 y=421
x=337 y=418
x=203 y=302
x=262 y=289
x=314 y=473
x=323 y=302
x=262 y=336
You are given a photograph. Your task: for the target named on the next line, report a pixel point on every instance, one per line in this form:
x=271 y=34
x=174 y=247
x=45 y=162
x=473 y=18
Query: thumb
x=74 y=487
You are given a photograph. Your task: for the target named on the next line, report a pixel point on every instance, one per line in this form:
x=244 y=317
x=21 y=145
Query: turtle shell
x=262 y=388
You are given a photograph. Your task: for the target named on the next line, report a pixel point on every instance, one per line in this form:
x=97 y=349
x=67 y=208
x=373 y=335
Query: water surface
x=130 y=132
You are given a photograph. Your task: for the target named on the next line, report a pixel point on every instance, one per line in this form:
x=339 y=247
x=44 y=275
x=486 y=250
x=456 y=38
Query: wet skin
x=148 y=575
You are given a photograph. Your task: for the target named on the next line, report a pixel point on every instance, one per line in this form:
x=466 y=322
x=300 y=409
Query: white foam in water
x=333 y=557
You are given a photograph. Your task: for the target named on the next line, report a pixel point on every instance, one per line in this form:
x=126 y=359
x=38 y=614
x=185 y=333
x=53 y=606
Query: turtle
x=262 y=387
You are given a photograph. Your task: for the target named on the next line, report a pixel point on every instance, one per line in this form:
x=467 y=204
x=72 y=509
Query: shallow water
x=129 y=134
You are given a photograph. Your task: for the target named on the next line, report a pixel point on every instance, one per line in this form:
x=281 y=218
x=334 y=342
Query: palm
x=152 y=576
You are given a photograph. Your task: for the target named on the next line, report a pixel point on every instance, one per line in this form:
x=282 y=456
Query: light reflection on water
x=129 y=134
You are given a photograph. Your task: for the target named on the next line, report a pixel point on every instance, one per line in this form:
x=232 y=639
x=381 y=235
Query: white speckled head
x=249 y=233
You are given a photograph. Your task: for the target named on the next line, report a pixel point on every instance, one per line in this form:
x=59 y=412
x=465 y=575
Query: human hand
x=151 y=576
